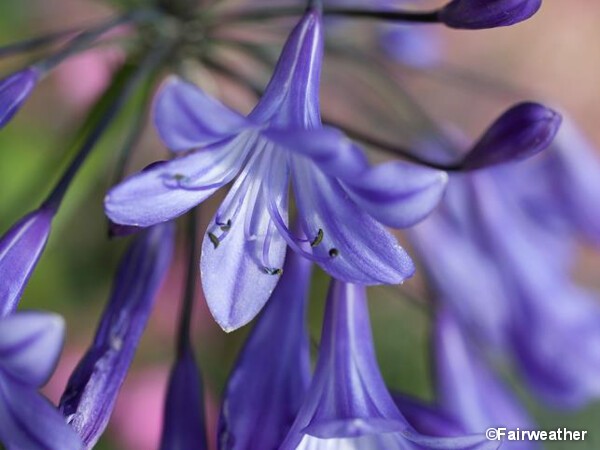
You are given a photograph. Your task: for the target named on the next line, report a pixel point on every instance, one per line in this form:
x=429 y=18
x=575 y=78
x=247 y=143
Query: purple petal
x=348 y=404
x=347 y=397
x=14 y=90
x=354 y=247
x=30 y=344
x=242 y=252
x=91 y=392
x=29 y=421
x=557 y=346
x=166 y=191
x=291 y=98
x=521 y=132
x=427 y=419
x=187 y=118
x=20 y=250
x=467 y=389
x=271 y=377
x=184 y=425
x=571 y=172
x=327 y=147
x=479 y=14
x=398 y=194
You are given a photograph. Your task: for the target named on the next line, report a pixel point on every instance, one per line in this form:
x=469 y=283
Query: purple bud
x=14 y=90
x=20 y=250
x=184 y=427
x=521 y=132
x=93 y=387
x=479 y=14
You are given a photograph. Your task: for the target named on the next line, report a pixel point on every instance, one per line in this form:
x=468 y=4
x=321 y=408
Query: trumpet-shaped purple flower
x=91 y=392
x=515 y=280
x=342 y=204
x=184 y=424
x=271 y=377
x=20 y=250
x=348 y=405
x=14 y=90
x=479 y=14
x=30 y=344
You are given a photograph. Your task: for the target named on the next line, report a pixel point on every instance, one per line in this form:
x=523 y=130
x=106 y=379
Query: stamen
x=214 y=239
x=272 y=271
x=224 y=226
x=318 y=239
x=334 y=252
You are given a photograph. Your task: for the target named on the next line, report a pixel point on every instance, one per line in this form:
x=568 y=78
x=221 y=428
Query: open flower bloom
x=30 y=343
x=348 y=405
x=343 y=203
x=468 y=392
x=273 y=369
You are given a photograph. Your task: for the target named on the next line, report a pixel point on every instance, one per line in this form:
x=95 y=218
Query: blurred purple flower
x=14 y=90
x=513 y=287
x=348 y=404
x=479 y=14
x=467 y=390
x=273 y=369
x=30 y=344
x=90 y=395
x=184 y=425
x=282 y=138
x=20 y=251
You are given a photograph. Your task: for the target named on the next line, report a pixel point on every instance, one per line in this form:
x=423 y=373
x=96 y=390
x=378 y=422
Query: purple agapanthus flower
x=14 y=90
x=342 y=203
x=92 y=390
x=467 y=391
x=513 y=287
x=348 y=405
x=20 y=250
x=273 y=369
x=30 y=344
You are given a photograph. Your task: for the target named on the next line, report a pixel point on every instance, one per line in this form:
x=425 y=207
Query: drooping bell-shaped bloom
x=271 y=377
x=91 y=392
x=513 y=287
x=30 y=344
x=14 y=90
x=479 y=14
x=20 y=251
x=184 y=424
x=342 y=206
x=348 y=405
x=470 y=398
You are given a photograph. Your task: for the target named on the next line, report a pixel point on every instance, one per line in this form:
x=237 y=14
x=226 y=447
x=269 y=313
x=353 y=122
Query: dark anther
x=214 y=239
x=334 y=252
x=224 y=226
x=272 y=271
x=318 y=239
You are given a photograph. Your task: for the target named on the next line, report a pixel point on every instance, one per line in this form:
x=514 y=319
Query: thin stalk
x=86 y=38
x=187 y=307
x=37 y=42
x=416 y=17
